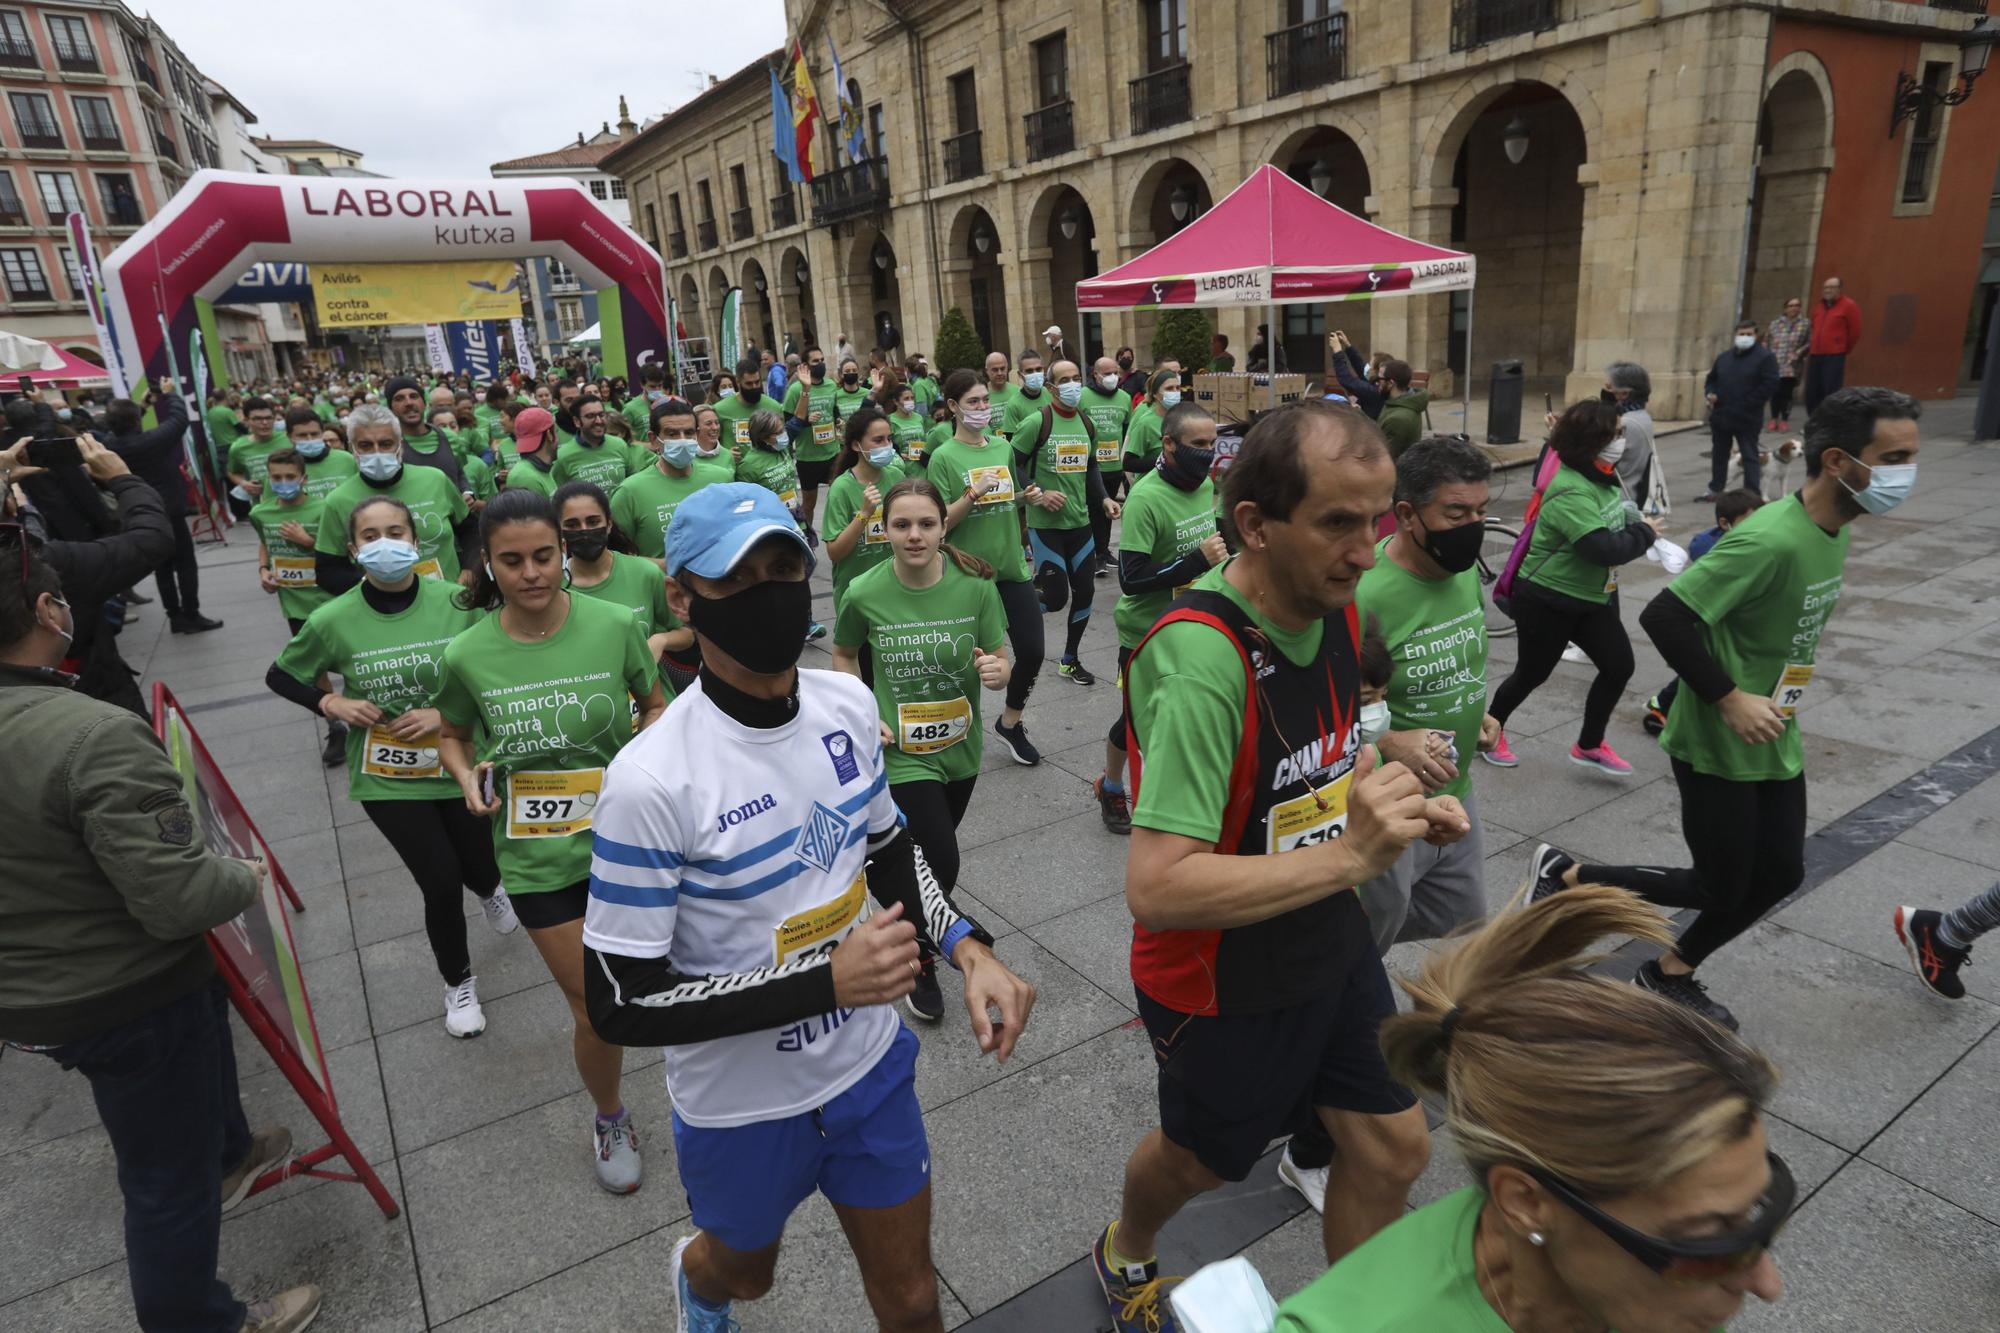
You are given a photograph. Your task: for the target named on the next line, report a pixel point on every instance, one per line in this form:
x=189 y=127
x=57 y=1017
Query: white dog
x=1776 y=465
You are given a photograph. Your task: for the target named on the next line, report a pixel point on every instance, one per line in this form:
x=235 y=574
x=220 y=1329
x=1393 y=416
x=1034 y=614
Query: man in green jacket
x=1402 y=418
x=105 y=893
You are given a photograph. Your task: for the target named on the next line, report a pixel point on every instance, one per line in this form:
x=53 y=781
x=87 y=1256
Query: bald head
x=1064 y=372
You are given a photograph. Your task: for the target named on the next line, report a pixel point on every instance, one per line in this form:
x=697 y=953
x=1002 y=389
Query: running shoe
x=1655 y=720
x=462 y=1015
x=1112 y=806
x=1015 y=738
x=815 y=631
x=1604 y=759
x=1500 y=756
x=1572 y=653
x=927 y=1000
x=287 y=1312
x=617 y=1145
x=1309 y=1181
x=1546 y=870
x=1937 y=963
x=334 y=753
x=1073 y=670
x=1106 y=569
x=1684 y=991
x=1136 y=1294
x=500 y=913
x=690 y=1316
x=268 y=1147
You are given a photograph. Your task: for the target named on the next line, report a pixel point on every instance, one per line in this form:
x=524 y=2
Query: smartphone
x=486 y=786
x=54 y=451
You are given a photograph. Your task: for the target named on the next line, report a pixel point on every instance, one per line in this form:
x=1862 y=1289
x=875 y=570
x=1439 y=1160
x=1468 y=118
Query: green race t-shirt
x=1020 y=406
x=478 y=477
x=1764 y=592
x=1142 y=433
x=607 y=464
x=638 y=414
x=644 y=504
x=908 y=430
x=392 y=661
x=527 y=475
x=925 y=390
x=549 y=715
x=1436 y=633
x=921 y=642
x=1162 y=522
x=846 y=402
x=822 y=441
x=1572 y=506
x=435 y=505
x=1001 y=399
x=299 y=594
x=638 y=585
x=224 y=426
x=1062 y=463
x=843 y=502
x=324 y=474
x=467 y=441
x=248 y=456
x=774 y=470
x=736 y=414
x=1108 y=412
x=1416 y=1275
x=989 y=529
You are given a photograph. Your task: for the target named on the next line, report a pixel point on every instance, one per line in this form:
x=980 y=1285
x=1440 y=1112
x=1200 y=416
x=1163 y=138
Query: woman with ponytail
x=1621 y=1174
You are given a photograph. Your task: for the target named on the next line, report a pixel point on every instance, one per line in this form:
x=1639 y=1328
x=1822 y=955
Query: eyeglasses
x=1699 y=1260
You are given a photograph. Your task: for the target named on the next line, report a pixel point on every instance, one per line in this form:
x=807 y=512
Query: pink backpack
x=1503 y=587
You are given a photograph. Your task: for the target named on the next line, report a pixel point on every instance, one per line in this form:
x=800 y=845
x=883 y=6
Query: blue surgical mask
x=1170 y=398
x=726 y=393
x=380 y=467
x=1889 y=484
x=62 y=414
x=287 y=490
x=1069 y=395
x=678 y=453
x=881 y=458
x=1032 y=381
x=312 y=450
x=387 y=559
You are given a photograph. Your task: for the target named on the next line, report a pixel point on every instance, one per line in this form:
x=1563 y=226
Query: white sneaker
x=462 y=1014
x=616 y=1148
x=1575 y=654
x=1308 y=1181
x=500 y=913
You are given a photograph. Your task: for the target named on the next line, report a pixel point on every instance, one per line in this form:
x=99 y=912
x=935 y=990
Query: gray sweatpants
x=1429 y=891
x=1966 y=923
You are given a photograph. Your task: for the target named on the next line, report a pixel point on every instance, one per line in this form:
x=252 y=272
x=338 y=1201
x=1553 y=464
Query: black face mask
x=763 y=626
x=1455 y=549
x=587 y=543
x=1125 y=363
x=751 y=394
x=818 y=368
x=1189 y=467
x=850 y=379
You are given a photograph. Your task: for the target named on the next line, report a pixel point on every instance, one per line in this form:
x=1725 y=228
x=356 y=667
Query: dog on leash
x=1776 y=466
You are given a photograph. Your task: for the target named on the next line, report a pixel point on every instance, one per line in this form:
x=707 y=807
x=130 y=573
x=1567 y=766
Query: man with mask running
x=595 y=456
x=644 y=503
x=1108 y=407
x=1030 y=398
x=725 y=924
x=737 y=409
x=446 y=532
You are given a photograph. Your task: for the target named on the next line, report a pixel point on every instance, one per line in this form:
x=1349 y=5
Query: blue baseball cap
x=713 y=529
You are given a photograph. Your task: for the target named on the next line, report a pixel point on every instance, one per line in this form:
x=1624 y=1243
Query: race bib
x=1301 y=822
x=1072 y=456
x=383 y=756
x=790 y=498
x=875 y=535
x=978 y=478
x=926 y=728
x=1611 y=580
x=1109 y=454
x=743 y=431
x=551 y=804
x=1791 y=691
x=294 y=571
x=429 y=569
x=824 y=432
x=818 y=929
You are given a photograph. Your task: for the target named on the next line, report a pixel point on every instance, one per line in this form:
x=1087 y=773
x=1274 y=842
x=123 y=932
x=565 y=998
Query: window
x=74 y=50
x=36 y=119
x=652 y=226
x=59 y=196
x=560 y=275
x=1926 y=135
x=26 y=280
x=1166 y=33
x=597 y=190
x=1052 y=70
x=15 y=48
x=74 y=272
x=99 y=126
x=707 y=205
x=1309 y=11
x=116 y=196
x=739 y=187
x=875 y=130
x=617 y=188
x=569 y=317
x=674 y=209
x=13 y=213
x=964 y=102
x=141 y=66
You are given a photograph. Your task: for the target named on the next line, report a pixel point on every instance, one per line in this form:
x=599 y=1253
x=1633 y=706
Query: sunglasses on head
x=1700 y=1259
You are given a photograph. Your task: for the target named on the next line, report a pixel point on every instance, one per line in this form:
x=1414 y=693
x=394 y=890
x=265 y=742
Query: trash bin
x=1503 y=404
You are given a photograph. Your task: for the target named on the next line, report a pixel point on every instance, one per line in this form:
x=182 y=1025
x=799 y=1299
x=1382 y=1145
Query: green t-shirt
x=735 y=415
x=1764 y=592
x=1001 y=399
x=478 y=477
x=392 y=661
x=224 y=426
x=1416 y=1275
x=990 y=529
x=722 y=460
x=299 y=594
x=1436 y=633
x=822 y=441
x=1222 y=364
x=607 y=464
x=526 y=474
x=500 y=439
x=467 y=441
x=846 y=402
x=1020 y=406
x=638 y=414
x=487 y=416
x=843 y=502
x=324 y=474
x=1572 y=506
x=774 y=470
x=435 y=505
x=247 y=457
x=1142 y=433
x=324 y=410
x=1186 y=693
x=920 y=643
x=549 y=715
x=908 y=430
x=644 y=504
x=925 y=390
x=1108 y=412
x=638 y=585
x=1062 y=463
x=1162 y=522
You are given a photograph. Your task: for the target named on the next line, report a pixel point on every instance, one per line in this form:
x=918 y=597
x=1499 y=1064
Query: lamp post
x=1067 y=223
x=1975 y=48
x=1180 y=202
x=1320 y=177
x=1514 y=140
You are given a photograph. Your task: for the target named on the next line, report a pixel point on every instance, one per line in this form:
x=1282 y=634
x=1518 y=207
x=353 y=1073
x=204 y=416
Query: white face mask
x=1745 y=341
x=1107 y=382
x=1374 y=721
x=1613 y=451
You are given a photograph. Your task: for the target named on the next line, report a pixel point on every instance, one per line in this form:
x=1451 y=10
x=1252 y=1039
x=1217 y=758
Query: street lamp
x=1181 y=202
x=1514 y=140
x=1320 y=177
x=803 y=274
x=1067 y=223
x=982 y=238
x=1911 y=96
x=882 y=257
x=759 y=284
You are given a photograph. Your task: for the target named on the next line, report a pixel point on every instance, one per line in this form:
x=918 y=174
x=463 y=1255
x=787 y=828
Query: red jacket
x=1836 y=328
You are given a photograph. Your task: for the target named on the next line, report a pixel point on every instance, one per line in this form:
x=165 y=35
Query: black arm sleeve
x=1135 y=466
x=465 y=533
x=334 y=573
x=1604 y=546
x=1093 y=480
x=646 y=1002
x=283 y=684
x=1138 y=573
x=898 y=873
x=1677 y=632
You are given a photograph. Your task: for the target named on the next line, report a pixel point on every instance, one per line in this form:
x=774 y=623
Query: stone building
x=1631 y=174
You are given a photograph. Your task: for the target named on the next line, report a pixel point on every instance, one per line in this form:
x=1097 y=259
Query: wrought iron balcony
x=852 y=191
x=962 y=159
x=704 y=234
x=19 y=55
x=41 y=135
x=15 y=215
x=165 y=147
x=1306 y=55
x=1164 y=97
x=77 y=60
x=1477 y=22
x=102 y=143
x=1051 y=131
x=677 y=244
x=740 y=224
x=784 y=210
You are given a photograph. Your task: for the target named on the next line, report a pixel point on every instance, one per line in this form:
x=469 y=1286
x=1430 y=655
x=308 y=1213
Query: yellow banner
x=349 y=294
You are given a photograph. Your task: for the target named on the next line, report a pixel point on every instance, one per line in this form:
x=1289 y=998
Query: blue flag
x=850 y=113
x=784 y=139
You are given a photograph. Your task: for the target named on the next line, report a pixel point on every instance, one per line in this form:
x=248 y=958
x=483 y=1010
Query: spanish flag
x=805 y=109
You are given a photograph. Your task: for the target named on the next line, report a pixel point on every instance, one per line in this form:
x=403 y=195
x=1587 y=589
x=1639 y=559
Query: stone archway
x=1063 y=233
x=973 y=280
x=690 y=302
x=871 y=290
x=1169 y=194
x=757 y=307
x=1794 y=159
x=1327 y=160
x=794 y=279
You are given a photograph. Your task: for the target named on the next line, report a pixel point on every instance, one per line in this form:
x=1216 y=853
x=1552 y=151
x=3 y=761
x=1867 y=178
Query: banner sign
x=732 y=349
x=93 y=297
x=270 y=282
x=474 y=348
x=350 y=294
x=434 y=348
x=524 y=355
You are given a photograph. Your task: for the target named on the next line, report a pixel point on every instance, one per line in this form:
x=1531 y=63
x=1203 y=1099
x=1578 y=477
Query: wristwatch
x=961 y=929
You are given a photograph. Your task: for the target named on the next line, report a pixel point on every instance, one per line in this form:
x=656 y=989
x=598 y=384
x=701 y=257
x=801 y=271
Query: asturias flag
x=784 y=144
x=850 y=114
x=805 y=109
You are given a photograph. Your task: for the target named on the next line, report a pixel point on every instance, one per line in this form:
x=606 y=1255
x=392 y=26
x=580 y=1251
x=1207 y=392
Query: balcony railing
x=15 y=215
x=147 y=75
x=27 y=293
x=76 y=61
x=740 y=224
x=784 y=210
x=1477 y=22
x=1051 y=131
x=853 y=191
x=1307 y=55
x=677 y=244
x=41 y=135
x=19 y=55
x=102 y=143
x=123 y=213
x=961 y=156
x=1961 y=6
x=1164 y=97
x=165 y=147
x=704 y=234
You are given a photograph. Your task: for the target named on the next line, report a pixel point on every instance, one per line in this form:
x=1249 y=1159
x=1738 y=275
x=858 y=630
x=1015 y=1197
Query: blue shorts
x=864 y=1149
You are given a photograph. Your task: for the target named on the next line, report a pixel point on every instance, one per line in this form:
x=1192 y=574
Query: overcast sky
x=448 y=87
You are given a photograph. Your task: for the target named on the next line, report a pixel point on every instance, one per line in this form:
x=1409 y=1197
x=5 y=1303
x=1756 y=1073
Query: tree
x=1182 y=335
x=957 y=345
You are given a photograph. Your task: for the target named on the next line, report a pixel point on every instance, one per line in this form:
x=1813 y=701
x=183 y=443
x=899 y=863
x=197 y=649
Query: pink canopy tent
x=49 y=366
x=1274 y=242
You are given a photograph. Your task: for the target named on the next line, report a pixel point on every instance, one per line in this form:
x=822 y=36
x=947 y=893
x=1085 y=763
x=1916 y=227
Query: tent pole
x=1465 y=401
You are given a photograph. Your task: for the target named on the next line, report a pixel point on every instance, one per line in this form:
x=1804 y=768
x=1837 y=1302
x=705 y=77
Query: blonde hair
x=1546 y=1065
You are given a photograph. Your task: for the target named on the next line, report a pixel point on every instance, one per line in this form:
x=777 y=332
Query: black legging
x=1100 y=522
x=447 y=850
x=1066 y=575
x=933 y=810
x=1117 y=733
x=1546 y=622
x=1024 y=636
x=179 y=577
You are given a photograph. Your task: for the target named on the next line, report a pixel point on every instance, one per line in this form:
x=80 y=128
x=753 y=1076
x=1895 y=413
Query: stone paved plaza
x=1888 y=1111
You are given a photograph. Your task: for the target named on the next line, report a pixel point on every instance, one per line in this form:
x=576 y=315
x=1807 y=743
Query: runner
x=1055 y=452
x=593 y=455
x=931 y=628
x=851 y=391
x=533 y=468
x=224 y=426
x=975 y=472
x=923 y=384
x=1741 y=628
x=444 y=526
x=1109 y=408
x=1169 y=541
x=1143 y=426
x=603 y=565
x=725 y=924
x=769 y=463
x=852 y=529
x=1940 y=943
x=287 y=524
x=1256 y=810
x=644 y=503
x=1001 y=390
x=386 y=640
x=737 y=409
x=708 y=441
x=815 y=428
x=638 y=409
x=909 y=426
x=245 y=464
x=538 y=687
x=1030 y=398
x=1731 y=508
x=479 y=487
x=423 y=443
x=326 y=466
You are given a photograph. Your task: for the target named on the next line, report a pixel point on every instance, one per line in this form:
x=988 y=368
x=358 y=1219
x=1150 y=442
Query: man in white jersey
x=736 y=843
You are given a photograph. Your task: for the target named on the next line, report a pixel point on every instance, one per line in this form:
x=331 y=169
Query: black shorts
x=556 y=907
x=814 y=475
x=1230 y=1084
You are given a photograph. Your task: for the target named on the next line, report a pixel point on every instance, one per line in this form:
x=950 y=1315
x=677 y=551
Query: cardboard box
x=1224 y=394
x=1264 y=392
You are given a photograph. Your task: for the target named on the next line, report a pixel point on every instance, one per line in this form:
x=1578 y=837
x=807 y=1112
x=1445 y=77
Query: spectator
x=1260 y=355
x=1219 y=359
x=1628 y=387
x=1133 y=385
x=1739 y=384
x=843 y=350
x=1836 y=331
x=781 y=376
x=158 y=458
x=1787 y=338
x=1401 y=415
x=104 y=900
x=1349 y=371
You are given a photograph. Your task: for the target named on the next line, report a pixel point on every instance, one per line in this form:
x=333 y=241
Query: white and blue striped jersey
x=736 y=854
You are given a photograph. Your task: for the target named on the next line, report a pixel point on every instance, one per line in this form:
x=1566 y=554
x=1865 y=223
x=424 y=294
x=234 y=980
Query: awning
x=47 y=365
x=592 y=334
